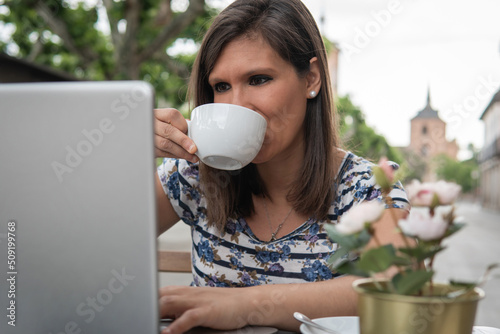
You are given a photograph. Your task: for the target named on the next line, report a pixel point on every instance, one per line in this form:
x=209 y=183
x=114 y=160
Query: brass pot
x=434 y=313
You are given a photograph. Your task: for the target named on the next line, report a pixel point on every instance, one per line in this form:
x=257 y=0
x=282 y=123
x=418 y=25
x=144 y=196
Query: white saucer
x=344 y=325
x=350 y=325
x=485 y=330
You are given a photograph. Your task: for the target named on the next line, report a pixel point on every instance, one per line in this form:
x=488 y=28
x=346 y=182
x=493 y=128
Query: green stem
x=394 y=219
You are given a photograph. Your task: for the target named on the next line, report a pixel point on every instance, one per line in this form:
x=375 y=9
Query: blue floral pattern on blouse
x=236 y=257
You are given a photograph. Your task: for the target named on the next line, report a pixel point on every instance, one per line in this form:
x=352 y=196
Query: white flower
x=447 y=192
x=354 y=220
x=422 y=194
x=422 y=225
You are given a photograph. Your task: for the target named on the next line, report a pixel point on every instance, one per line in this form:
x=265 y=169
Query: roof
x=20 y=70
x=428 y=111
x=495 y=99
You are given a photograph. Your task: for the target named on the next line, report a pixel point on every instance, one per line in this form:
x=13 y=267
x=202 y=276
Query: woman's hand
x=171 y=138
x=217 y=308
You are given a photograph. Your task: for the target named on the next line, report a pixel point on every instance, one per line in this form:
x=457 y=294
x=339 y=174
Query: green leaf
x=381 y=178
x=377 y=259
x=422 y=251
x=455 y=227
x=351 y=268
x=411 y=282
x=435 y=201
x=402 y=261
x=337 y=258
x=462 y=284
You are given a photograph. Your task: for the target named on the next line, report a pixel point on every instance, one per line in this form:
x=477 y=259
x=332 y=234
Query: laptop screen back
x=77 y=208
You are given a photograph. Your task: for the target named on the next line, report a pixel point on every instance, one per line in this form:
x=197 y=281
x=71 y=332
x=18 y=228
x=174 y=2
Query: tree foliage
x=464 y=173
x=360 y=138
x=112 y=40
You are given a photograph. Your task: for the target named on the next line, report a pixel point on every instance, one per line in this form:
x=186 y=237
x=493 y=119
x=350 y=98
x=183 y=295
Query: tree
x=464 y=173
x=360 y=138
x=112 y=40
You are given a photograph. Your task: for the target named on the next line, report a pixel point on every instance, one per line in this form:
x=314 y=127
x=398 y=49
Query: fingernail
x=195 y=159
x=192 y=149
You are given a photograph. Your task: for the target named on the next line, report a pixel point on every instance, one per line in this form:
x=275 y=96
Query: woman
x=262 y=227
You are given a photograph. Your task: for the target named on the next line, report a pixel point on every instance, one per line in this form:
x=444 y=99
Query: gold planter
x=385 y=313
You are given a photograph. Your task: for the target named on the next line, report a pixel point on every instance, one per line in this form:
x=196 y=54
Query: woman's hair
x=289 y=28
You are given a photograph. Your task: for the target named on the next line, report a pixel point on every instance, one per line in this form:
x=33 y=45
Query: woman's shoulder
x=352 y=166
x=356 y=183
x=355 y=180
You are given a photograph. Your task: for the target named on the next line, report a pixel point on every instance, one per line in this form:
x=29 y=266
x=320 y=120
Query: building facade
x=428 y=138
x=489 y=158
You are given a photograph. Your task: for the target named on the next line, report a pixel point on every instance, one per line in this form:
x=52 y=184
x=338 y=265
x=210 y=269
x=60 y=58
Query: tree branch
x=178 y=68
x=36 y=50
x=113 y=27
x=129 y=63
x=176 y=26
x=59 y=27
x=164 y=13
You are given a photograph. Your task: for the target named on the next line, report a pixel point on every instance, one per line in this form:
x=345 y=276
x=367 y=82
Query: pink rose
x=354 y=220
x=422 y=194
x=422 y=225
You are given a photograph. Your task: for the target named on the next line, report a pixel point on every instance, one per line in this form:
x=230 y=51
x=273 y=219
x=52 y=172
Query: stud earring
x=312 y=94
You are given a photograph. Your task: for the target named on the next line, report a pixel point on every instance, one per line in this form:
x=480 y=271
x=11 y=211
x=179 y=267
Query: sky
x=392 y=51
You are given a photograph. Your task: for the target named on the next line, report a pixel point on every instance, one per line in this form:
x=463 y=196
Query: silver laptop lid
x=77 y=208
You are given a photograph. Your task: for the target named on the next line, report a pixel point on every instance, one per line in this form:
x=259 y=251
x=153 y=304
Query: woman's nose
x=234 y=96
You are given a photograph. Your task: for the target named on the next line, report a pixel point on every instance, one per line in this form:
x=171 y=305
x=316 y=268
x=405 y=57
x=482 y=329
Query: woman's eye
x=221 y=87
x=259 y=80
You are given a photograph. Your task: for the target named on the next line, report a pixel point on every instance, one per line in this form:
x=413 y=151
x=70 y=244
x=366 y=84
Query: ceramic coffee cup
x=228 y=136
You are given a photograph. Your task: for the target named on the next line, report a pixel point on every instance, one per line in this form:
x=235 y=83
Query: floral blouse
x=236 y=258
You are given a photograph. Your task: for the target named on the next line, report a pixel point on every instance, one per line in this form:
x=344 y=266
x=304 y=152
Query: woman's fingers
x=177 y=303
x=188 y=320
x=165 y=147
x=171 y=138
x=217 y=308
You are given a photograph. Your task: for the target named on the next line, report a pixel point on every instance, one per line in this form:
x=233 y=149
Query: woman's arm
x=267 y=305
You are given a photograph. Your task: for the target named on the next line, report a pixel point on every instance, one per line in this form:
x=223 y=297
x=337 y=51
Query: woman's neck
x=280 y=174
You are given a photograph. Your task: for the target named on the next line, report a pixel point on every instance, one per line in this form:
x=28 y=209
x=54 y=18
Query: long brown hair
x=289 y=28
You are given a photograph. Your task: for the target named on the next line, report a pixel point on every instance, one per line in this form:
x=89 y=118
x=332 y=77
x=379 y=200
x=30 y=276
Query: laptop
x=77 y=208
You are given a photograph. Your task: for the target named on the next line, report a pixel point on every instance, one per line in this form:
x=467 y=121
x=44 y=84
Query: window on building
x=424 y=130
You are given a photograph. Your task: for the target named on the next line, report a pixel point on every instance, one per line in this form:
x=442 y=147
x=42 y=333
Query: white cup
x=228 y=136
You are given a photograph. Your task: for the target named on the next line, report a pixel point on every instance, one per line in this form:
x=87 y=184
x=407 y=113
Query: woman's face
x=251 y=74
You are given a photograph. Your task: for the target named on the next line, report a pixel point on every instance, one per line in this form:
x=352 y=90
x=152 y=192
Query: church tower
x=428 y=136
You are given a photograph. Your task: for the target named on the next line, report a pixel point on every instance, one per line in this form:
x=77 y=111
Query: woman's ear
x=313 y=79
